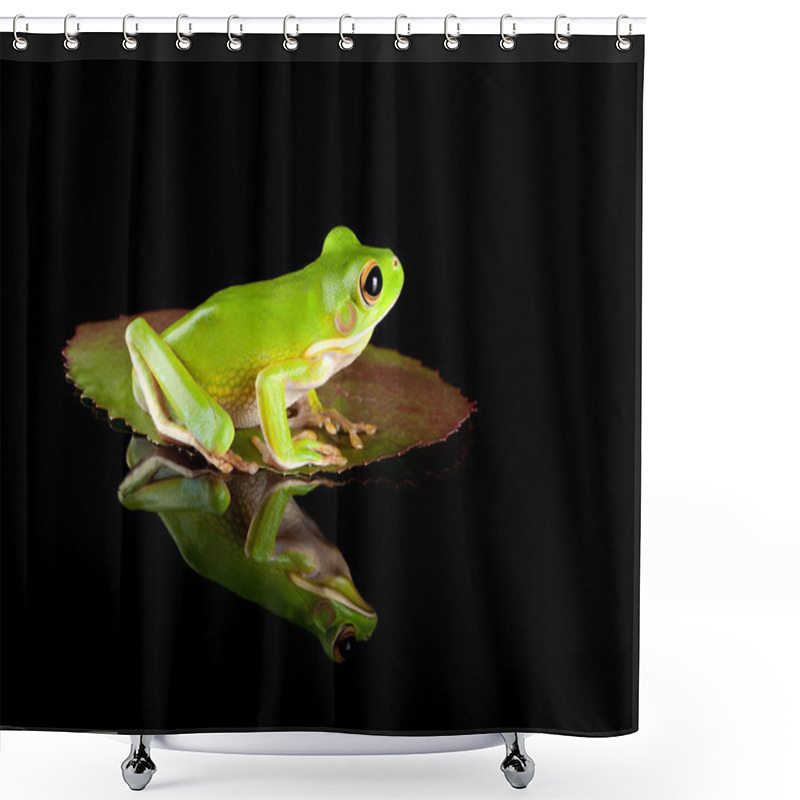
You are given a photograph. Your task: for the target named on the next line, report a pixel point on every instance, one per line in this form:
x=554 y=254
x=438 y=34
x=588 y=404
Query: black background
x=506 y=581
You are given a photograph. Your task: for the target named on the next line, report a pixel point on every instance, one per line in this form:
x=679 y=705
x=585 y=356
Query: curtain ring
x=129 y=42
x=70 y=42
x=182 y=42
x=507 y=42
x=622 y=43
x=20 y=42
x=289 y=42
x=234 y=44
x=346 y=42
x=401 y=42
x=452 y=42
x=561 y=42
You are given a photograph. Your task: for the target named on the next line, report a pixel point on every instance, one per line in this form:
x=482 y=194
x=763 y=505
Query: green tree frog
x=250 y=352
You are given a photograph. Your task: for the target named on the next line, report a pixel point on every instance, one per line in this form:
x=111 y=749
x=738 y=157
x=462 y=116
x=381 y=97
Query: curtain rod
x=461 y=26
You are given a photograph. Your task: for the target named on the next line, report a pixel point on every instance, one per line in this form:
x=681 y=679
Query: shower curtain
x=396 y=492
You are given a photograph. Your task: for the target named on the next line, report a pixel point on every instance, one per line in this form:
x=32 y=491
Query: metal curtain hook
x=234 y=43
x=289 y=42
x=129 y=42
x=561 y=42
x=70 y=42
x=182 y=42
x=623 y=44
x=346 y=42
x=507 y=42
x=20 y=42
x=452 y=42
x=401 y=42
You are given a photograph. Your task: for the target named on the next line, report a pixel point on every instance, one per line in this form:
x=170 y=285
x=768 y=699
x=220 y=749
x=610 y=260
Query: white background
x=721 y=443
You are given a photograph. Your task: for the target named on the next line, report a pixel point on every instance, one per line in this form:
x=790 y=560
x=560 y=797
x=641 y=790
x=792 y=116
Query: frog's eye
x=343 y=646
x=371 y=283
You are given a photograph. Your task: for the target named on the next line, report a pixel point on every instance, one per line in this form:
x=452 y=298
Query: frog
x=253 y=356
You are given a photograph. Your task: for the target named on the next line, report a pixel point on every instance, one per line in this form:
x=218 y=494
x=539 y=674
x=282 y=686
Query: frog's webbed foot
x=173 y=433
x=228 y=461
x=308 y=451
x=235 y=461
x=333 y=421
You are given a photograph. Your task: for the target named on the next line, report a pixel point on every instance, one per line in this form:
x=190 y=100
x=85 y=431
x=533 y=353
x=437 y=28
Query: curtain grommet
x=507 y=42
x=20 y=43
x=290 y=43
x=129 y=43
x=452 y=42
x=401 y=42
x=623 y=44
x=182 y=42
x=234 y=43
x=561 y=43
x=71 y=43
x=346 y=42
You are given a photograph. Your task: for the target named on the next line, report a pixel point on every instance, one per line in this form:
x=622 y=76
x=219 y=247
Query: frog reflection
x=247 y=533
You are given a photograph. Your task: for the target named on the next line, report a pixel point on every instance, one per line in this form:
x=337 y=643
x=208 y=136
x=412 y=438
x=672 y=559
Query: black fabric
x=503 y=563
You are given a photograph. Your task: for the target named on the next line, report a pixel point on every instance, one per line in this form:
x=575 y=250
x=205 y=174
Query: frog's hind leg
x=311 y=412
x=202 y=423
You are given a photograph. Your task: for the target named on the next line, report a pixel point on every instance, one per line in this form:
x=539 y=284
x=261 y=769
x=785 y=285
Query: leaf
x=411 y=405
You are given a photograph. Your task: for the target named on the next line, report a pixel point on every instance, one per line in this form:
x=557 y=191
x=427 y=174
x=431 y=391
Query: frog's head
x=360 y=284
x=341 y=616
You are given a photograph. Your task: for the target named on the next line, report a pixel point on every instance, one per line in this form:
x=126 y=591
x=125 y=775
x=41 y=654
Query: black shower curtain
x=498 y=561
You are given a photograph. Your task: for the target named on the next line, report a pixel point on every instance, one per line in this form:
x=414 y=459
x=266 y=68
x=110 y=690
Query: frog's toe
x=262 y=448
x=228 y=461
x=330 y=427
x=237 y=462
x=315 y=452
x=330 y=455
x=336 y=421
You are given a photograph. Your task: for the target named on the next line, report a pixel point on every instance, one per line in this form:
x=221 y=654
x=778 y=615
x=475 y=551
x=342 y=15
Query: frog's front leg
x=278 y=448
x=266 y=522
x=310 y=411
x=201 y=422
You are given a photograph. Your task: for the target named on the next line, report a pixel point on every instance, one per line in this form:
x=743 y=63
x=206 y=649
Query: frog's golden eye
x=371 y=282
x=343 y=646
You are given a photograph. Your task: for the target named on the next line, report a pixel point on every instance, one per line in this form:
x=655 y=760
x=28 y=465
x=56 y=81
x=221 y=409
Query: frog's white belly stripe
x=338 y=344
x=330 y=593
x=334 y=355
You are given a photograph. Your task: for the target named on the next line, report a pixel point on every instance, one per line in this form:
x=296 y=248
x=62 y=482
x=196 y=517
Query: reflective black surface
x=503 y=563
